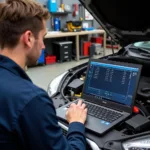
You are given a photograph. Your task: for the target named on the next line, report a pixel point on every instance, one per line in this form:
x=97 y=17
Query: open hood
x=126 y=21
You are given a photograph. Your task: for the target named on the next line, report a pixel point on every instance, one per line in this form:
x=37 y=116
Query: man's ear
x=28 y=39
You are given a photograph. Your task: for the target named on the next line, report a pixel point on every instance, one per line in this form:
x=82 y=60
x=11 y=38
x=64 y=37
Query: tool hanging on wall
x=52 y=22
x=80 y=12
x=75 y=10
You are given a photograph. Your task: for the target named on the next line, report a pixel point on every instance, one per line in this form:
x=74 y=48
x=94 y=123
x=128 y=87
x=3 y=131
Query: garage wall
x=48 y=42
x=69 y=16
x=66 y=17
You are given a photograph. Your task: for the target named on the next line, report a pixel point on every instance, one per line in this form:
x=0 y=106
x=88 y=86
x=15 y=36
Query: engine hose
x=142 y=109
x=112 y=46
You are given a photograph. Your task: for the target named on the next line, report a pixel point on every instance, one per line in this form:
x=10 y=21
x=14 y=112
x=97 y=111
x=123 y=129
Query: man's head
x=23 y=25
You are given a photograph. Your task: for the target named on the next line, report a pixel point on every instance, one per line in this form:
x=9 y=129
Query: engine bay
x=142 y=104
x=71 y=89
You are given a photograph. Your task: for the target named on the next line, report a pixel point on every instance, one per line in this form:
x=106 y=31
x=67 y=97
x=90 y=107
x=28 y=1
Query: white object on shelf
x=85 y=25
x=88 y=16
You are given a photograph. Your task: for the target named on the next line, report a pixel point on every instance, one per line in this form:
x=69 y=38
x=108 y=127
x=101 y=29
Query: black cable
x=112 y=46
x=148 y=117
x=142 y=109
x=142 y=112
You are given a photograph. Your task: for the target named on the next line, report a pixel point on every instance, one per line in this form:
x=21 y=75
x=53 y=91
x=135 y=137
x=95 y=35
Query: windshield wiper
x=143 y=51
x=145 y=54
x=140 y=49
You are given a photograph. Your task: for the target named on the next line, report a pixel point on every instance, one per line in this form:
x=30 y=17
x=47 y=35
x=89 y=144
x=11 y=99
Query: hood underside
x=126 y=21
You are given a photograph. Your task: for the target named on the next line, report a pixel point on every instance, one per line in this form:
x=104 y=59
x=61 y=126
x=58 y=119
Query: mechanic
x=27 y=116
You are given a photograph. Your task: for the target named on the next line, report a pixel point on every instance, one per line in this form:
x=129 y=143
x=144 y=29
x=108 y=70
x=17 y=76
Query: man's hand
x=77 y=113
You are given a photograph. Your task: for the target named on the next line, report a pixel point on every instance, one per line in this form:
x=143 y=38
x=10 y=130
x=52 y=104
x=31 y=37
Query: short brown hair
x=18 y=16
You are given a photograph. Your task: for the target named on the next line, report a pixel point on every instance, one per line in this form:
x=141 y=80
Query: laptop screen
x=111 y=82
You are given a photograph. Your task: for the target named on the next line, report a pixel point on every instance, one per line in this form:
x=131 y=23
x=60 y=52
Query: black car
x=127 y=23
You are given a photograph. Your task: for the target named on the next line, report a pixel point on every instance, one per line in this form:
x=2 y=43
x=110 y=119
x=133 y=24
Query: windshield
x=145 y=44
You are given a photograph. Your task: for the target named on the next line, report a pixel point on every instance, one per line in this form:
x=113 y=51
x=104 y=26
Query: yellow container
x=74 y=26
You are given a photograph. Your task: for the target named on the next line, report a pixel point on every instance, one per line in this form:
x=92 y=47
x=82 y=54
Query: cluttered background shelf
x=70 y=21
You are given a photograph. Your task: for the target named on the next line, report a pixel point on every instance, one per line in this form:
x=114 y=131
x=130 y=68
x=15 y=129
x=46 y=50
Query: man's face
x=37 y=47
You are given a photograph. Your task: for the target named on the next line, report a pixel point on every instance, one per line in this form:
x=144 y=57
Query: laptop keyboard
x=102 y=113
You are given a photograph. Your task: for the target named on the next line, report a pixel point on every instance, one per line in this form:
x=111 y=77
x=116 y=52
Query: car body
x=127 y=23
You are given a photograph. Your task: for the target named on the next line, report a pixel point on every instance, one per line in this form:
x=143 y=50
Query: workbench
x=55 y=34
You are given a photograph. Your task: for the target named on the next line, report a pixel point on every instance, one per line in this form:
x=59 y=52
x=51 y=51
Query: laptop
x=109 y=92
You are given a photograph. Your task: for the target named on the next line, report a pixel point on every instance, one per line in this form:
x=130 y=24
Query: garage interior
x=107 y=69
x=49 y=64
x=43 y=75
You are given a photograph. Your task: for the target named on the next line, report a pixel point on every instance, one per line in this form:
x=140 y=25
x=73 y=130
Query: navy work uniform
x=27 y=116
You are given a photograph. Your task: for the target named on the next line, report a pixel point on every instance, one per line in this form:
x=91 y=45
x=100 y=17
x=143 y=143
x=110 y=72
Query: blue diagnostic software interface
x=111 y=82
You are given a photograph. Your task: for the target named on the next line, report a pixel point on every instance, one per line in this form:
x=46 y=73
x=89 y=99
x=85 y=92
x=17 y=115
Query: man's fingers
x=79 y=103
x=83 y=106
x=85 y=110
x=73 y=104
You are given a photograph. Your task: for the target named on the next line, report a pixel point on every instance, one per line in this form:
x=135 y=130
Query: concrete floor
x=42 y=75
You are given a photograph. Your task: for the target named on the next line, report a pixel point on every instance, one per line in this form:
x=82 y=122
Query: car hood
x=126 y=21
